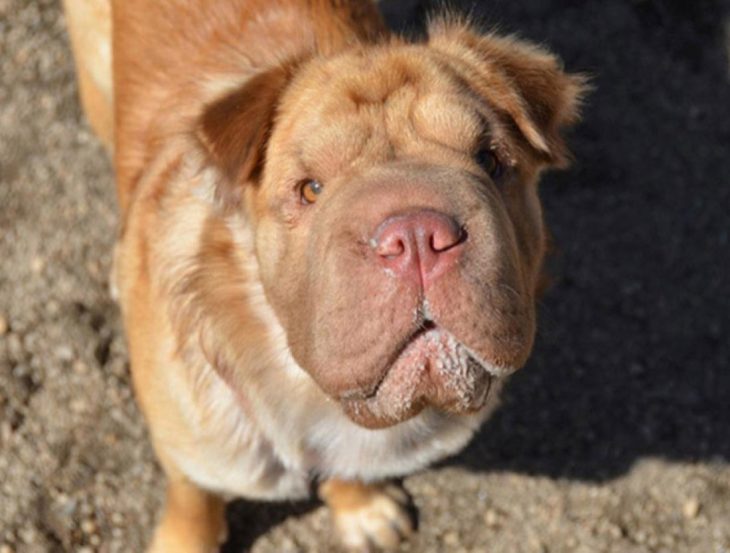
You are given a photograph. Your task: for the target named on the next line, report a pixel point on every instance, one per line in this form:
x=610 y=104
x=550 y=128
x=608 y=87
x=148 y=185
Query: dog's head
x=391 y=189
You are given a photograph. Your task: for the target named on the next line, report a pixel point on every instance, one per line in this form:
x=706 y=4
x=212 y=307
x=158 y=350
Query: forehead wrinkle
x=446 y=119
x=396 y=117
x=335 y=146
x=497 y=131
x=378 y=80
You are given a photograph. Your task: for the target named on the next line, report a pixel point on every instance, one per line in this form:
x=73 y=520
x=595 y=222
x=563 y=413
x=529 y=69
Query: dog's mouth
x=372 y=391
x=430 y=369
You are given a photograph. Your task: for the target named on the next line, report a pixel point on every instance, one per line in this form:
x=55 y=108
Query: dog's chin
x=433 y=370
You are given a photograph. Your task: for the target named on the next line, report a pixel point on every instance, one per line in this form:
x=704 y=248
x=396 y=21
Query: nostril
x=391 y=245
x=446 y=237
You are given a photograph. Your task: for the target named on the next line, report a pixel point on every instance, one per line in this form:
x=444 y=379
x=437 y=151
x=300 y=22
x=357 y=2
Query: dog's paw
x=369 y=518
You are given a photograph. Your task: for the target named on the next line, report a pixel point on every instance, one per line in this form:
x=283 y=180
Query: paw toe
x=380 y=523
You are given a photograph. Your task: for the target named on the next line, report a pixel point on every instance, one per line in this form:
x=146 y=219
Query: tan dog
x=330 y=246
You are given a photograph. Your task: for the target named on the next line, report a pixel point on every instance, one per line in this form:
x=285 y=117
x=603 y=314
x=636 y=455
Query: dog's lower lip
x=360 y=395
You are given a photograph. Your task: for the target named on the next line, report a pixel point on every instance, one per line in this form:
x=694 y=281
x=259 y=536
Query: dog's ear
x=235 y=128
x=517 y=78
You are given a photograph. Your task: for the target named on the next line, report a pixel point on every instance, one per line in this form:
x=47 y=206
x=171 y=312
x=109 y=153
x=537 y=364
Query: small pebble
x=37 y=264
x=451 y=539
x=15 y=345
x=28 y=535
x=428 y=489
x=88 y=526
x=491 y=518
x=80 y=367
x=64 y=353
x=53 y=308
x=5 y=548
x=615 y=531
x=93 y=268
x=6 y=432
x=691 y=508
x=3 y=330
x=536 y=545
x=669 y=540
x=78 y=405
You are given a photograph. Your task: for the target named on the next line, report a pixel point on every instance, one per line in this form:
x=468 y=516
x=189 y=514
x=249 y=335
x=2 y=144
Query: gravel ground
x=615 y=438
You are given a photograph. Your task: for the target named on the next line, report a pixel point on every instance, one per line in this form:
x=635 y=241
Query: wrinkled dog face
x=398 y=228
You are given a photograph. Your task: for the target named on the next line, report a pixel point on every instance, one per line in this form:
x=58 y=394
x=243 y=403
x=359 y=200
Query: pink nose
x=419 y=246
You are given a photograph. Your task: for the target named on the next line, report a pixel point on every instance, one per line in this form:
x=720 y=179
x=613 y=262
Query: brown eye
x=309 y=190
x=489 y=161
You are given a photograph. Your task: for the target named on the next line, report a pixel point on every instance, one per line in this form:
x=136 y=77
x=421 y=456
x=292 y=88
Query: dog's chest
x=279 y=457
x=224 y=450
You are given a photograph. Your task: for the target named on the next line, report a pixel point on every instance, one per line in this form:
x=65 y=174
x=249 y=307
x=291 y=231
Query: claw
x=369 y=518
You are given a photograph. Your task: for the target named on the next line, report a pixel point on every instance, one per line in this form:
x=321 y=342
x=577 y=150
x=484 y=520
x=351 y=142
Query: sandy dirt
x=615 y=437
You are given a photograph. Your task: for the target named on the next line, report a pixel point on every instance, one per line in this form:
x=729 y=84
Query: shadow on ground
x=632 y=357
x=247 y=520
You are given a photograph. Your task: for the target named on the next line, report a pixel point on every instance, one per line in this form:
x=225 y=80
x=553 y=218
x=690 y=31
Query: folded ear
x=235 y=128
x=518 y=78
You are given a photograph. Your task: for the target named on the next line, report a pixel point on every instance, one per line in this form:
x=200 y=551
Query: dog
x=330 y=246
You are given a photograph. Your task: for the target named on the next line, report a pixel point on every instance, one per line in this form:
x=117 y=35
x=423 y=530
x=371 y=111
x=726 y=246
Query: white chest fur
x=278 y=459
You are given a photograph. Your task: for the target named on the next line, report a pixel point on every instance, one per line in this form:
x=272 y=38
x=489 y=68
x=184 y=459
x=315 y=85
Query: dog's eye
x=309 y=190
x=488 y=160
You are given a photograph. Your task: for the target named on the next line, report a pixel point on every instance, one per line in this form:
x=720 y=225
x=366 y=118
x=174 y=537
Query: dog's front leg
x=193 y=520
x=368 y=516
